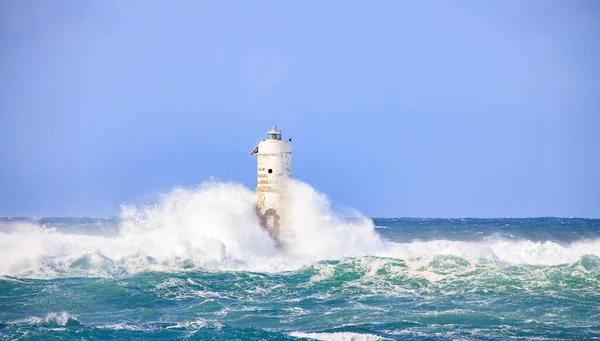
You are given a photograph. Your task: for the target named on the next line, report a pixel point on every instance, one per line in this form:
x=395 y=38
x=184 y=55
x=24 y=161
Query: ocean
x=196 y=265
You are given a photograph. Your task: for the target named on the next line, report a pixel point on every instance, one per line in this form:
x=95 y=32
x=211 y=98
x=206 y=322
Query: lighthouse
x=274 y=158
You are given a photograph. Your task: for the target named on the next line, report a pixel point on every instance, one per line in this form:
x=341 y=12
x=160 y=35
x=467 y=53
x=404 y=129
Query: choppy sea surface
x=196 y=265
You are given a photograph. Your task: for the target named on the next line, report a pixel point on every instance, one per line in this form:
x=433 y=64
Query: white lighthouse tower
x=274 y=169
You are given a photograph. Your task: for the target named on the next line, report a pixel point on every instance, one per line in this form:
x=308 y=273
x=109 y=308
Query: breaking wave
x=215 y=227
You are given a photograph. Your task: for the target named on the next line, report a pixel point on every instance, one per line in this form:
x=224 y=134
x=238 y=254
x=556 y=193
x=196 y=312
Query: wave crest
x=215 y=227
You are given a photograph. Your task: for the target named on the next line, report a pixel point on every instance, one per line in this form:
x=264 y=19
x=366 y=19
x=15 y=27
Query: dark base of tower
x=270 y=222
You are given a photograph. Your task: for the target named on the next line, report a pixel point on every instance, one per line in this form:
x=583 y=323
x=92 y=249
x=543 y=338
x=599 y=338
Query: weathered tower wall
x=274 y=158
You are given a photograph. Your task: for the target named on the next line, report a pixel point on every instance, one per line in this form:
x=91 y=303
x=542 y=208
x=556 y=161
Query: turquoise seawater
x=451 y=279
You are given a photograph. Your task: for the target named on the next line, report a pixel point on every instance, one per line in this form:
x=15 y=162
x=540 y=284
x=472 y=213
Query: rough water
x=197 y=265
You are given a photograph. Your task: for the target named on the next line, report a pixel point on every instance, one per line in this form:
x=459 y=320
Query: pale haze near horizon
x=396 y=108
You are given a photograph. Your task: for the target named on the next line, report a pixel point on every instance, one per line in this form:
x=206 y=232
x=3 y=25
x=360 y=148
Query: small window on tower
x=270 y=171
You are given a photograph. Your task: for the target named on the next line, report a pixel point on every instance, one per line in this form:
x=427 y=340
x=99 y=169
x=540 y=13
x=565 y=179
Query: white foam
x=313 y=231
x=514 y=252
x=543 y=253
x=215 y=227
x=52 y=318
x=193 y=325
x=340 y=336
x=120 y=326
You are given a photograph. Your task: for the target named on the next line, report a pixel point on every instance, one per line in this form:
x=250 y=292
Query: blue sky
x=396 y=108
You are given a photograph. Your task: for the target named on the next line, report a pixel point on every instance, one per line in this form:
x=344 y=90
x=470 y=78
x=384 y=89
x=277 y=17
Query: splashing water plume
x=215 y=227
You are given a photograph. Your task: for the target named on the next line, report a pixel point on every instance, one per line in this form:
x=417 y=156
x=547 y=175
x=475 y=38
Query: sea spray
x=312 y=231
x=212 y=226
x=215 y=227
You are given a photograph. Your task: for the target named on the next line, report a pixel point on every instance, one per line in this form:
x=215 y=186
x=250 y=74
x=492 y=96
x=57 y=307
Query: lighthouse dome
x=274 y=134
